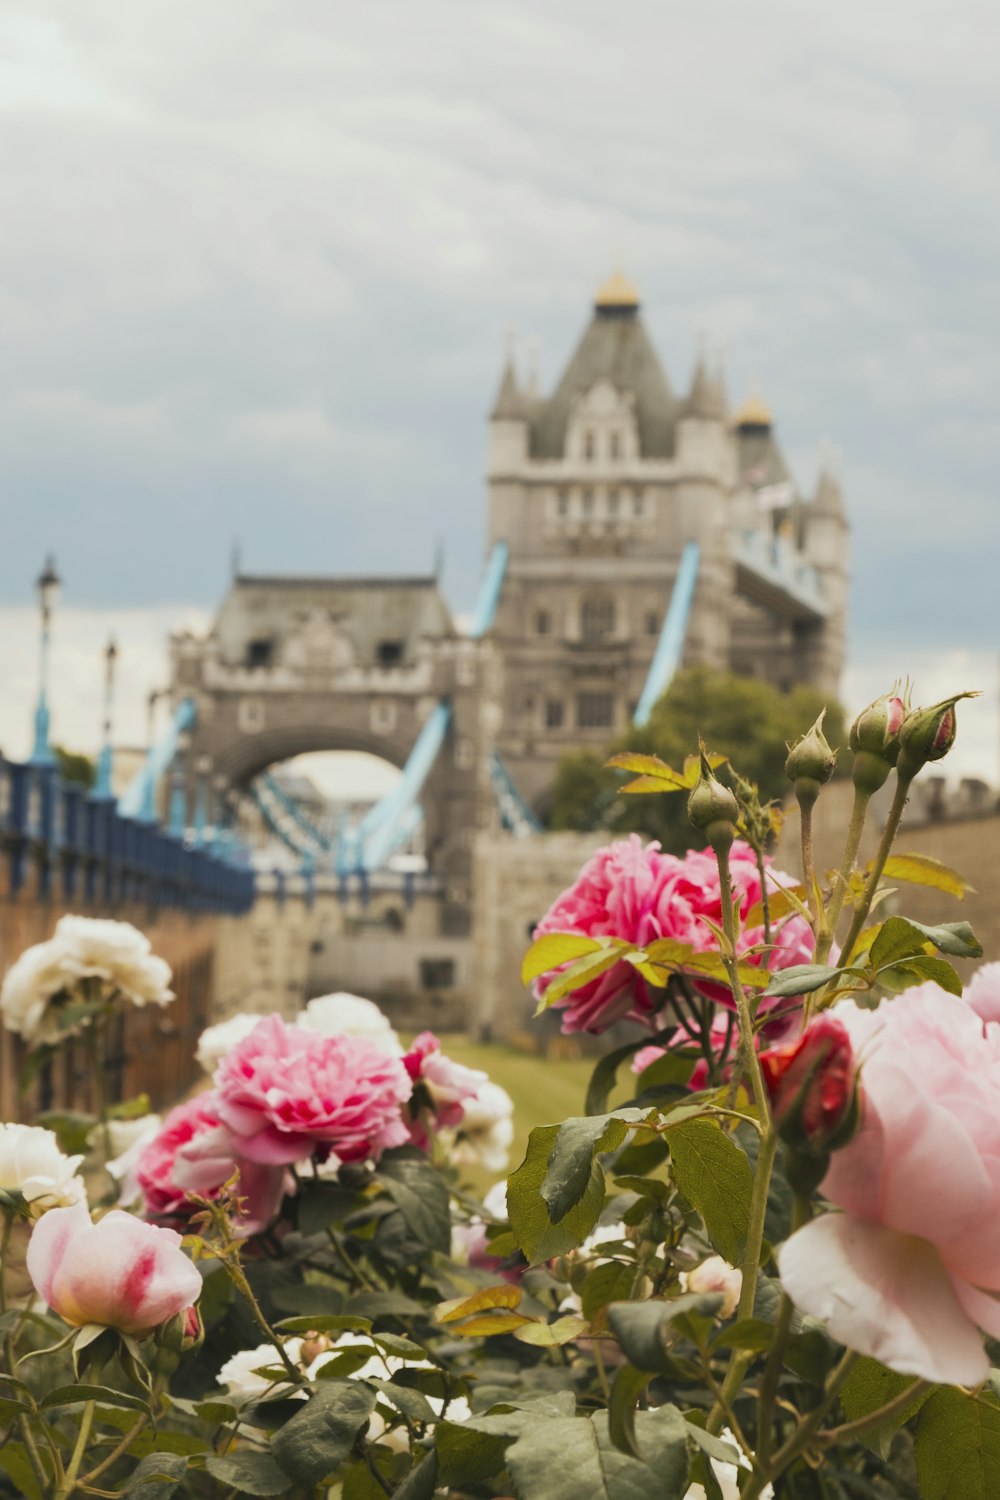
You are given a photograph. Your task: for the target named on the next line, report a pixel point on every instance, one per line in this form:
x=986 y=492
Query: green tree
x=748 y=720
x=74 y=767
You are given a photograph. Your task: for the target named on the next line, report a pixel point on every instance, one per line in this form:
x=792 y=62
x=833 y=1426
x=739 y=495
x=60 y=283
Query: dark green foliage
x=747 y=720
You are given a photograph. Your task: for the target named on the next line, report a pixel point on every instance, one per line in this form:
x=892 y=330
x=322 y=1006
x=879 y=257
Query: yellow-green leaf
x=489 y=1298
x=920 y=869
x=580 y=973
x=489 y=1324
x=554 y=949
x=648 y=765
x=548 y=1335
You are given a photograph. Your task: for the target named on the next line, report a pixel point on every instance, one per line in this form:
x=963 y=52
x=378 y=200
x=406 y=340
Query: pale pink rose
x=715 y=1275
x=448 y=1084
x=121 y=1272
x=193 y=1152
x=983 y=992
x=910 y=1270
x=285 y=1092
x=633 y=891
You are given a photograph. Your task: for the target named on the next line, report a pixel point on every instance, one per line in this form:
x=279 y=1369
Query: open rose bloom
x=634 y=891
x=909 y=1270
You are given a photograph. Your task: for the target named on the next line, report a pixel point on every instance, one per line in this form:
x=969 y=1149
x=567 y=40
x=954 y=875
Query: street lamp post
x=105 y=761
x=47 y=585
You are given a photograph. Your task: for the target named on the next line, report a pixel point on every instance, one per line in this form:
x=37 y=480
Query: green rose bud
x=874 y=739
x=713 y=809
x=810 y=764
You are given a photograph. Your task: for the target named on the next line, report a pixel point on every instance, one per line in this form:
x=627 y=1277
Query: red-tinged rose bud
x=874 y=739
x=810 y=764
x=812 y=1086
x=713 y=809
x=927 y=735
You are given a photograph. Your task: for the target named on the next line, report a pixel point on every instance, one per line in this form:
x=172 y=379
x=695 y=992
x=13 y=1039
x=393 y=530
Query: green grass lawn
x=545 y=1091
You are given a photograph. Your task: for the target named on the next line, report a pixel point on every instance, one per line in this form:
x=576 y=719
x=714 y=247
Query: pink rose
x=121 y=1272
x=983 y=992
x=193 y=1152
x=633 y=891
x=285 y=1092
x=448 y=1084
x=910 y=1270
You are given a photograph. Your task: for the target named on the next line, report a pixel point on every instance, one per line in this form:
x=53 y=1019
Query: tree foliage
x=751 y=721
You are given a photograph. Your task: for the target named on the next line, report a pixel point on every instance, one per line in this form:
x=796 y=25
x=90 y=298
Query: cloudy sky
x=260 y=258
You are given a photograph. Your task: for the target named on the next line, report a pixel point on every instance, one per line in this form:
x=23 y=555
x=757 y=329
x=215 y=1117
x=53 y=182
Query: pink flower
x=284 y=1092
x=633 y=891
x=193 y=1152
x=120 y=1271
x=910 y=1270
x=983 y=992
x=448 y=1084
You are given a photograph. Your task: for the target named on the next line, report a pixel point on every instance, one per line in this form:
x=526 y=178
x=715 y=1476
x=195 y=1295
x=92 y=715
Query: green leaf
x=71 y=1127
x=581 y=973
x=605 y=1074
x=898 y=937
x=629 y=1384
x=920 y=869
x=250 y=1473
x=577 y=1143
x=536 y=1234
x=420 y=1193
x=384 y=1305
x=474 y=1450
x=156 y=1476
x=554 y=949
x=421 y=1482
x=609 y=1282
x=641 y=1327
x=320 y=1436
x=751 y=1334
x=957 y=1447
x=716 y=1179
x=487 y=1300
x=800 y=979
x=918 y=970
x=568 y=1459
x=72 y=1395
x=413 y=1404
x=326 y=1323
x=869 y=1386
x=15 y=1463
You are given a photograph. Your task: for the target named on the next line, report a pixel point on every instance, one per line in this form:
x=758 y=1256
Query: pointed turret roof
x=508 y=404
x=617 y=348
x=707 y=396
x=829 y=497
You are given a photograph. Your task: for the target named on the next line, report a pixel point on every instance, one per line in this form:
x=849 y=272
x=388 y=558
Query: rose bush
x=762 y=1263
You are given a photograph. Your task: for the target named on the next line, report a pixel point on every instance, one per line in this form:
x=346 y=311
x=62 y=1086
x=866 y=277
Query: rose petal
x=886 y=1295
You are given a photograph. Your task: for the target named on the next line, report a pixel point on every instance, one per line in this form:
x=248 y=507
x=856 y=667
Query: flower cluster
x=634 y=891
x=87 y=959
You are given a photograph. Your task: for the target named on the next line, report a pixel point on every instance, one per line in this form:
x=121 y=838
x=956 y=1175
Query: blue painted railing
x=57 y=841
x=670 y=646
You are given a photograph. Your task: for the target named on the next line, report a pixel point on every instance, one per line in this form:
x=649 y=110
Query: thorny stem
x=903 y=785
x=765 y=900
x=892 y=1408
x=239 y=1280
x=801 y=1214
x=765 y=1159
x=809 y=865
x=117 y=1451
x=828 y=927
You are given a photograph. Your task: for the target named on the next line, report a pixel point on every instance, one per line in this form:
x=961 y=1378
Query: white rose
x=715 y=1275
x=239 y=1374
x=350 y=1015
x=29 y=986
x=32 y=1163
x=116 y=952
x=217 y=1041
x=728 y=1476
x=486 y=1133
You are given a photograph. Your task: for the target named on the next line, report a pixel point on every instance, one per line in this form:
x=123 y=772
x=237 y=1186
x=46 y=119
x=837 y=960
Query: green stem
x=8 y=1225
x=891 y=1408
x=117 y=1451
x=804 y=1432
x=95 y=1040
x=801 y=1214
x=765 y=899
x=239 y=1280
x=828 y=928
x=809 y=864
x=889 y=832
x=68 y=1484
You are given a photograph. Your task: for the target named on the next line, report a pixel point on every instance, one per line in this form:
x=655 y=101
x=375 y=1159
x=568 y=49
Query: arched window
x=615 y=445
x=597 y=617
x=588 y=444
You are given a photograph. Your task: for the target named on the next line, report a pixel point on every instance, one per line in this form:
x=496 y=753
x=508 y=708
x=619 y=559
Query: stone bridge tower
x=596 y=489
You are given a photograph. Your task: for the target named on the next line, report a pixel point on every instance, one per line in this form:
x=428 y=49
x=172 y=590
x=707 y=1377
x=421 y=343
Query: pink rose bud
x=927 y=735
x=874 y=738
x=121 y=1272
x=813 y=1088
x=810 y=763
x=715 y=1275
